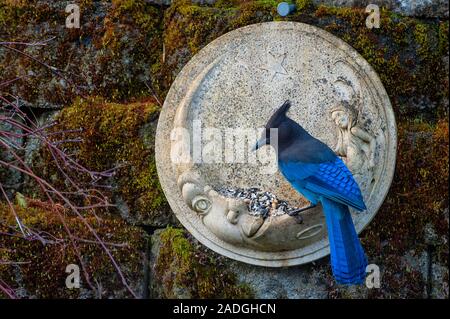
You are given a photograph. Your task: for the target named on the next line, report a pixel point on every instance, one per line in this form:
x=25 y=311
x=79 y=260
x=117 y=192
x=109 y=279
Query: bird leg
x=298 y=211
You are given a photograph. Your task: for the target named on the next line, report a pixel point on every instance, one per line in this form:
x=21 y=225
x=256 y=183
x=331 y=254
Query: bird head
x=276 y=121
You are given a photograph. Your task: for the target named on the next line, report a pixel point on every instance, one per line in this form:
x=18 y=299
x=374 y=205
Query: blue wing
x=331 y=180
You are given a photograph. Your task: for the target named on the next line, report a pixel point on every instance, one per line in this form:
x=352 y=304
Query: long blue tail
x=348 y=260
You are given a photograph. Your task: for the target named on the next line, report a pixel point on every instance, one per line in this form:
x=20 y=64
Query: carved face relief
x=340 y=118
x=233 y=86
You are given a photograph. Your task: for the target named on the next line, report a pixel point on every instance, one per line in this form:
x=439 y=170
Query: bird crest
x=279 y=114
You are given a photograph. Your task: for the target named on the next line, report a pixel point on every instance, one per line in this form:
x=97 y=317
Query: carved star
x=274 y=64
x=241 y=62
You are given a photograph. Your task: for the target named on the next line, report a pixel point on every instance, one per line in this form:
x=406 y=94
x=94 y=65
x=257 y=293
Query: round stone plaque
x=212 y=117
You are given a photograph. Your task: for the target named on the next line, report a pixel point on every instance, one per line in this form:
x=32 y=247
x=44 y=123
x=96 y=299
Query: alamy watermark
x=373 y=20
x=210 y=145
x=73 y=19
x=73 y=279
x=373 y=276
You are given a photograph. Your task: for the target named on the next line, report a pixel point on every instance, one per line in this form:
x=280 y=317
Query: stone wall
x=415 y=8
x=114 y=73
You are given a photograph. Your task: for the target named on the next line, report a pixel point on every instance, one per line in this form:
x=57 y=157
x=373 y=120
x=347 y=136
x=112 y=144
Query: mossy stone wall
x=112 y=77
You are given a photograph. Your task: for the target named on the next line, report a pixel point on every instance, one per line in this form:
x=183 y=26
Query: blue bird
x=320 y=176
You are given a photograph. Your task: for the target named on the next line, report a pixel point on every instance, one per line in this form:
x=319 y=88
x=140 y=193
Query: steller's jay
x=319 y=175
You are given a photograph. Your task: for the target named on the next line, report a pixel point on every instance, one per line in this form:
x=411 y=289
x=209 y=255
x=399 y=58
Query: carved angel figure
x=354 y=143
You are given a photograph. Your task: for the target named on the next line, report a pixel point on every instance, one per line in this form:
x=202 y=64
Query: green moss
x=443 y=38
x=355 y=16
x=15 y=15
x=421 y=36
x=114 y=53
x=112 y=137
x=302 y=4
x=135 y=13
x=40 y=264
x=418 y=195
x=268 y=3
x=183 y=266
x=131 y=31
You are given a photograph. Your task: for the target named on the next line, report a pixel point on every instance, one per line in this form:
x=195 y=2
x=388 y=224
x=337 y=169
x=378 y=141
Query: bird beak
x=259 y=143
